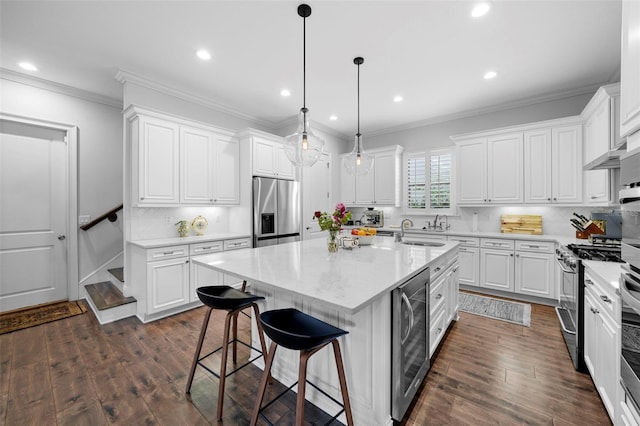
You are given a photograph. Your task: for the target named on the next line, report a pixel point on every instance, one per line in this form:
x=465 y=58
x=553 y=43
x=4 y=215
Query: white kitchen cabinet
x=601 y=134
x=535 y=269
x=630 y=74
x=443 y=299
x=504 y=168
x=552 y=165
x=226 y=170
x=379 y=187
x=566 y=162
x=270 y=160
x=469 y=260
x=157 y=167
x=165 y=279
x=168 y=285
x=196 y=166
x=602 y=339
x=489 y=170
x=177 y=162
x=497 y=264
x=538 y=163
x=472 y=171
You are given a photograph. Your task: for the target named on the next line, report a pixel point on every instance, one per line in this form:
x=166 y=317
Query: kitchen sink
x=423 y=243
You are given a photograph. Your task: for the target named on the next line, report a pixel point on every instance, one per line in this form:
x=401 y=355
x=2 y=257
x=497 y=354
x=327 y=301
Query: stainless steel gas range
x=570 y=307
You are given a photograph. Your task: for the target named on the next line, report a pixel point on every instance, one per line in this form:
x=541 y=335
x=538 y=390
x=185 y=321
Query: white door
x=33 y=215
x=316 y=195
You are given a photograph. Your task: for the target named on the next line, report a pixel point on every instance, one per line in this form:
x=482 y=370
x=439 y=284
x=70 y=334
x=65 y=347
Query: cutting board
x=521 y=224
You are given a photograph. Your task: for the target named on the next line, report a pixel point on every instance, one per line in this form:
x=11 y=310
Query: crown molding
x=123 y=77
x=293 y=121
x=64 y=89
x=490 y=109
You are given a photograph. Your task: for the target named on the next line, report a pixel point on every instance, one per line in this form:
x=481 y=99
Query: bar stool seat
x=233 y=301
x=296 y=330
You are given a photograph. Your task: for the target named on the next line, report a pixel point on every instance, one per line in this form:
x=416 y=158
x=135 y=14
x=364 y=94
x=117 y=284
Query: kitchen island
x=350 y=289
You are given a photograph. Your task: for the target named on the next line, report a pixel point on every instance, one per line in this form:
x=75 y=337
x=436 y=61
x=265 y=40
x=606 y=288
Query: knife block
x=592 y=228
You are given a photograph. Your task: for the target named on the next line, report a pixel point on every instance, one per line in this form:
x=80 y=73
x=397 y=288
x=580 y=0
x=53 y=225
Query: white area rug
x=503 y=310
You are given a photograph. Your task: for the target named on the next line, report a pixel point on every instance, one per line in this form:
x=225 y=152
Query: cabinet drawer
x=437 y=328
x=437 y=268
x=605 y=296
x=437 y=296
x=539 y=247
x=238 y=243
x=497 y=243
x=171 y=252
x=204 y=248
x=466 y=241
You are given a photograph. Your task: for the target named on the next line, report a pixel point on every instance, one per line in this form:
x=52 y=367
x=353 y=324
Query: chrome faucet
x=402 y=226
x=435 y=222
x=446 y=223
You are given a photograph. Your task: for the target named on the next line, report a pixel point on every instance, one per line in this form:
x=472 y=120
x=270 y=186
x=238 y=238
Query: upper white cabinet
x=175 y=162
x=504 y=168
x=538 y=163
x=566 y=163
x=472 y=171
x=630 y=74
x=381 y=186
x=156 y=170
x=269 y=158
x=601 y=134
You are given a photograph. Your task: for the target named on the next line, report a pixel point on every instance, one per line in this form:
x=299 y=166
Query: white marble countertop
x=606 y=271
x=347 y=280
x=191 y=239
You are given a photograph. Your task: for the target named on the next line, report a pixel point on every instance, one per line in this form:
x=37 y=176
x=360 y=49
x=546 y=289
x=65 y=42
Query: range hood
x=608 y=160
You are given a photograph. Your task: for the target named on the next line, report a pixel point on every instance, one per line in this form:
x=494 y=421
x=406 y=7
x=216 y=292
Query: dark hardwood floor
x=76 y=372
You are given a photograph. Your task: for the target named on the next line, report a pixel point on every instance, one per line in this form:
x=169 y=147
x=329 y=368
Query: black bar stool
x=233 y=301
x=298 y=331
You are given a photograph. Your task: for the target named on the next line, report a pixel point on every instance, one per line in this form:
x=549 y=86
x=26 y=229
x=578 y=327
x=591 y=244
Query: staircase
x=107 y=301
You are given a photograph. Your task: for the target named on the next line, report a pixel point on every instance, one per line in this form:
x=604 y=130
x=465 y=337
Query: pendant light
x=358 y=162
x=303 y=148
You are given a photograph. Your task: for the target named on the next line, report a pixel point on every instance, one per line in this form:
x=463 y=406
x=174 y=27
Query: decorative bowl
x=365 y=240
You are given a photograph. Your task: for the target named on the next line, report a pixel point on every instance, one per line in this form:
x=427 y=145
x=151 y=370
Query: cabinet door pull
x=605 y=298
x=438 y=296
x=167 y=253
x=186 y=261
x=588 y=281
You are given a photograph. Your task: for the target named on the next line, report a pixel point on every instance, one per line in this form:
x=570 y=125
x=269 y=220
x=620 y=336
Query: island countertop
x=347 y=280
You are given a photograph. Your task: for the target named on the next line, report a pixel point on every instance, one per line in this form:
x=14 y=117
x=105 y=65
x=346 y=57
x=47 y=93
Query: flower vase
x=332 y=242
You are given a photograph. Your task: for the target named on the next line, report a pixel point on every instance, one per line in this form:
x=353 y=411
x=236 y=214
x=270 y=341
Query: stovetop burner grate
x=603 y=253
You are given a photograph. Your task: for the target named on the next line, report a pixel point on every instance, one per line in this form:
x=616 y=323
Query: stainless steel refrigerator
x=276 y=211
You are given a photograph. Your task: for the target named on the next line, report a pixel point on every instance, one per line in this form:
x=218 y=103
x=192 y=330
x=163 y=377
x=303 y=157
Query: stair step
x=106 y=295
x=118 y=273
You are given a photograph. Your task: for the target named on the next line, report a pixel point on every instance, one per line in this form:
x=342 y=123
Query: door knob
x=62 y=237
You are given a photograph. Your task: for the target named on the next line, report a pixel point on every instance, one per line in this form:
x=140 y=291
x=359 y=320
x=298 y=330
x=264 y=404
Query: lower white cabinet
x=469 y=259
x=165 y=280
x=168 y=285
x=534 y=269
x=496 y=264
x=443 y=299
x=602 y=339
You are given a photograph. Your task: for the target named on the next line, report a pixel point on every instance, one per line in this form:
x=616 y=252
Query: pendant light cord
x=304 y=62
x=358 y=98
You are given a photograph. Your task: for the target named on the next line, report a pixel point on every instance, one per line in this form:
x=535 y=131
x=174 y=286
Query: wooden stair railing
x=111 y=215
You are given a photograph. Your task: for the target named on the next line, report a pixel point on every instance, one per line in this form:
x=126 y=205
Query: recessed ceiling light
x=480 y=10
x=285 y=93
x=203 y=54
x=398 y=98
x=27 y=66
x=490 y=74
x=333 y=118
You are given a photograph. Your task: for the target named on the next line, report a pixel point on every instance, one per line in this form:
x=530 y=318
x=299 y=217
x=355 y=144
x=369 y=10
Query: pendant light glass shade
x=358 y=162
x=303 y=148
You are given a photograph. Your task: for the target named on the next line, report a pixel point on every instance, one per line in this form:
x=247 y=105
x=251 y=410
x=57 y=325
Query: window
x=429 y=182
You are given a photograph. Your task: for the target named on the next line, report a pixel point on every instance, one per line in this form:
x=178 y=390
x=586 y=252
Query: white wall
x=99 y=160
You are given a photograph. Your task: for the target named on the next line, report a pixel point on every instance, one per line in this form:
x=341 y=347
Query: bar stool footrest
x=335 y=401
x=235 y=369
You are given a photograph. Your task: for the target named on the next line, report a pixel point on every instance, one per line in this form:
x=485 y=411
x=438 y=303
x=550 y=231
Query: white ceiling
x=430 y=52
